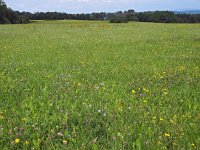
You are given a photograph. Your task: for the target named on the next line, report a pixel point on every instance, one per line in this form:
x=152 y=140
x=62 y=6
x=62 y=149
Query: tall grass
x=95 y=85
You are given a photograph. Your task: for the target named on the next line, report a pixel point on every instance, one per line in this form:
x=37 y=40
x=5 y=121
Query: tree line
x=118 y=17
x=7 y=15
x=168 y=17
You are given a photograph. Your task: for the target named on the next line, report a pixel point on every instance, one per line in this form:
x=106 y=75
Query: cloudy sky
x=85 y=6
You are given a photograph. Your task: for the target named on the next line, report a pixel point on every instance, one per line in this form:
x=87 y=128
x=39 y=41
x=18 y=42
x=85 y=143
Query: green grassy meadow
x=96 y=85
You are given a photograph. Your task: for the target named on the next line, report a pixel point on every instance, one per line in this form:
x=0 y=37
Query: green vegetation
x=8 y=16
x=95 y=85
x=118 y=19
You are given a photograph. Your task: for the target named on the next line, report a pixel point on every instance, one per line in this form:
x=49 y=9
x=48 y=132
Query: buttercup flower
x=167 y=135
x=133 y=91
x=17 y=140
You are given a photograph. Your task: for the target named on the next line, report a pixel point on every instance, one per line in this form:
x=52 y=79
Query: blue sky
x=87 y=6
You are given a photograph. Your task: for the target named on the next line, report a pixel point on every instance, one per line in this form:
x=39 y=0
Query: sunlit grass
x=95 y=85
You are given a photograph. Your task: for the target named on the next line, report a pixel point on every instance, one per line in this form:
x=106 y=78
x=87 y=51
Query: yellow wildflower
x=24 y=119
x=133 y=91
x=26 y=142
x=165 y=93
x=64 y=142
x=146 y=90
x=17 y=140
x=192 y=144
x=161 y=119
x=167 y=134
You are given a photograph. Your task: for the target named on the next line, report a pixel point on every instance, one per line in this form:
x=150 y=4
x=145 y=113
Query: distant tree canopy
x=154 y=16
x=123 y=17
x=157 y=16
x=8 y=16
x=119 y=17
x=66 y=16
x=168 y=17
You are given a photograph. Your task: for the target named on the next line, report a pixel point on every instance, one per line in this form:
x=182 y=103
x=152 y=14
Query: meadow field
x=95 y=85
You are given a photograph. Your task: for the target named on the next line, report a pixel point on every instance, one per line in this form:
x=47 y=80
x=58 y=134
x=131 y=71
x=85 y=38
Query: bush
x=118 y=19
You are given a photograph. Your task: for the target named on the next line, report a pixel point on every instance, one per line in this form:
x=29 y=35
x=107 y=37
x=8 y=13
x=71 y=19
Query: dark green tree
x=8 y=16
x=131 y=15
x=118 y=18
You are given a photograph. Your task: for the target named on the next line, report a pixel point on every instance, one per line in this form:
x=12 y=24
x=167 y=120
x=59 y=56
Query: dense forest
x=8 y=16
x=117 y=17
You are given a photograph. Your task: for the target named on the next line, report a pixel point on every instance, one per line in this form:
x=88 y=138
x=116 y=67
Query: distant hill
x=187 y=12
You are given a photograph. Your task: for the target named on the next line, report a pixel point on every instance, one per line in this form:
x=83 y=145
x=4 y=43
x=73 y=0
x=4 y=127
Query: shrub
x=118 y=19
